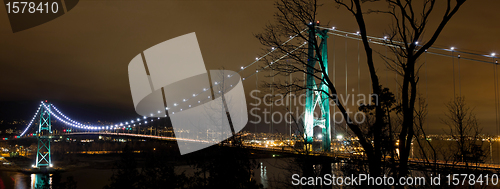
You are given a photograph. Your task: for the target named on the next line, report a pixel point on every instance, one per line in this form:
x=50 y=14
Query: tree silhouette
x=126 y=175
x=224 y=167
x=406 y=40
x=464 y=129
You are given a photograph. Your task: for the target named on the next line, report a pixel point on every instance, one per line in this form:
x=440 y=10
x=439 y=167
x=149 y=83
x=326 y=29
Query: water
x=98 y=178
x=266 y=171
x=85 y=178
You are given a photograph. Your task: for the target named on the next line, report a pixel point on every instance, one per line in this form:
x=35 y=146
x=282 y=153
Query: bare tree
x=464 y=129
x=292 y=17
x=406 y=40
x=410 y=22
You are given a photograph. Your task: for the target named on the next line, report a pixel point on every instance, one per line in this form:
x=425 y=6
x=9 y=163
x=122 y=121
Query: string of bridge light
x=76 y=124
x=33 y=119
x=94 y=127
x=257 y=59
x=394 y=44
x=381 y=41
x=285 y=55
x=384 y=41
x=242 y=68
x=73 y=123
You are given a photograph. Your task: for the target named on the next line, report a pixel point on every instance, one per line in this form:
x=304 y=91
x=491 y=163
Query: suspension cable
x=32 y=119
x=272 y=101
x=459 y=77
x=453 y=63
x=496 y=94
x=290 y=102
x=257 y=89
x=334 y=84
x=346 y=85
x=426 y=85
x=359 y=72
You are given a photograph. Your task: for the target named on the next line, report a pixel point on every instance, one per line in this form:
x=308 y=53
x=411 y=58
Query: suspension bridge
x=40 y=125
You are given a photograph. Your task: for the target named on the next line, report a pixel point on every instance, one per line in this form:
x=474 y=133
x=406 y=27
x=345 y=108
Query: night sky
x=79 y=61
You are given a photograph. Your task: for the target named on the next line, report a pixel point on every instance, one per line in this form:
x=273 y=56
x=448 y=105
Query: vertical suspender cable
x=496 y=95
x=345 y=78
x=305 y=85
x=334 y=84
x=290 y=102
x=359 y=73
x=272 y=101
x=397 y=72
x=426 y=85
x=495 y=78
x=256 y=88
x=453 y=63
x=387 y=69
x=496 y=63
x=498 y=101
x=459 y=77
x=497 y=106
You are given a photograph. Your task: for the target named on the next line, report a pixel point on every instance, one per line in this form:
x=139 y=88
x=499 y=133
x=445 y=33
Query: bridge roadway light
x=320 y=136
x=339 y=137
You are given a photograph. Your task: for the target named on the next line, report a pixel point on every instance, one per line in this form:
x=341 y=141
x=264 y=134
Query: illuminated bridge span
x=313 y=87
x=156 y=137
x=142 y=136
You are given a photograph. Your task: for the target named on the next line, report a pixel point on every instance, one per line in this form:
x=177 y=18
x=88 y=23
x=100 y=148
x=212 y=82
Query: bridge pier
x=43 y=155
x=315 y=94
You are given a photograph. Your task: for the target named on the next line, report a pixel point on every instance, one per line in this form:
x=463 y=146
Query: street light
x=339 y=137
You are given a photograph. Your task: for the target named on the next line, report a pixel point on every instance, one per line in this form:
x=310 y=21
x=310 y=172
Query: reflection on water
x=40 y=180
x=24 y=181
x=263 y=175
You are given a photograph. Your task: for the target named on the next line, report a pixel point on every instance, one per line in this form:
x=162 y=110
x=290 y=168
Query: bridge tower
x=314 y=96
x=43 y=158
